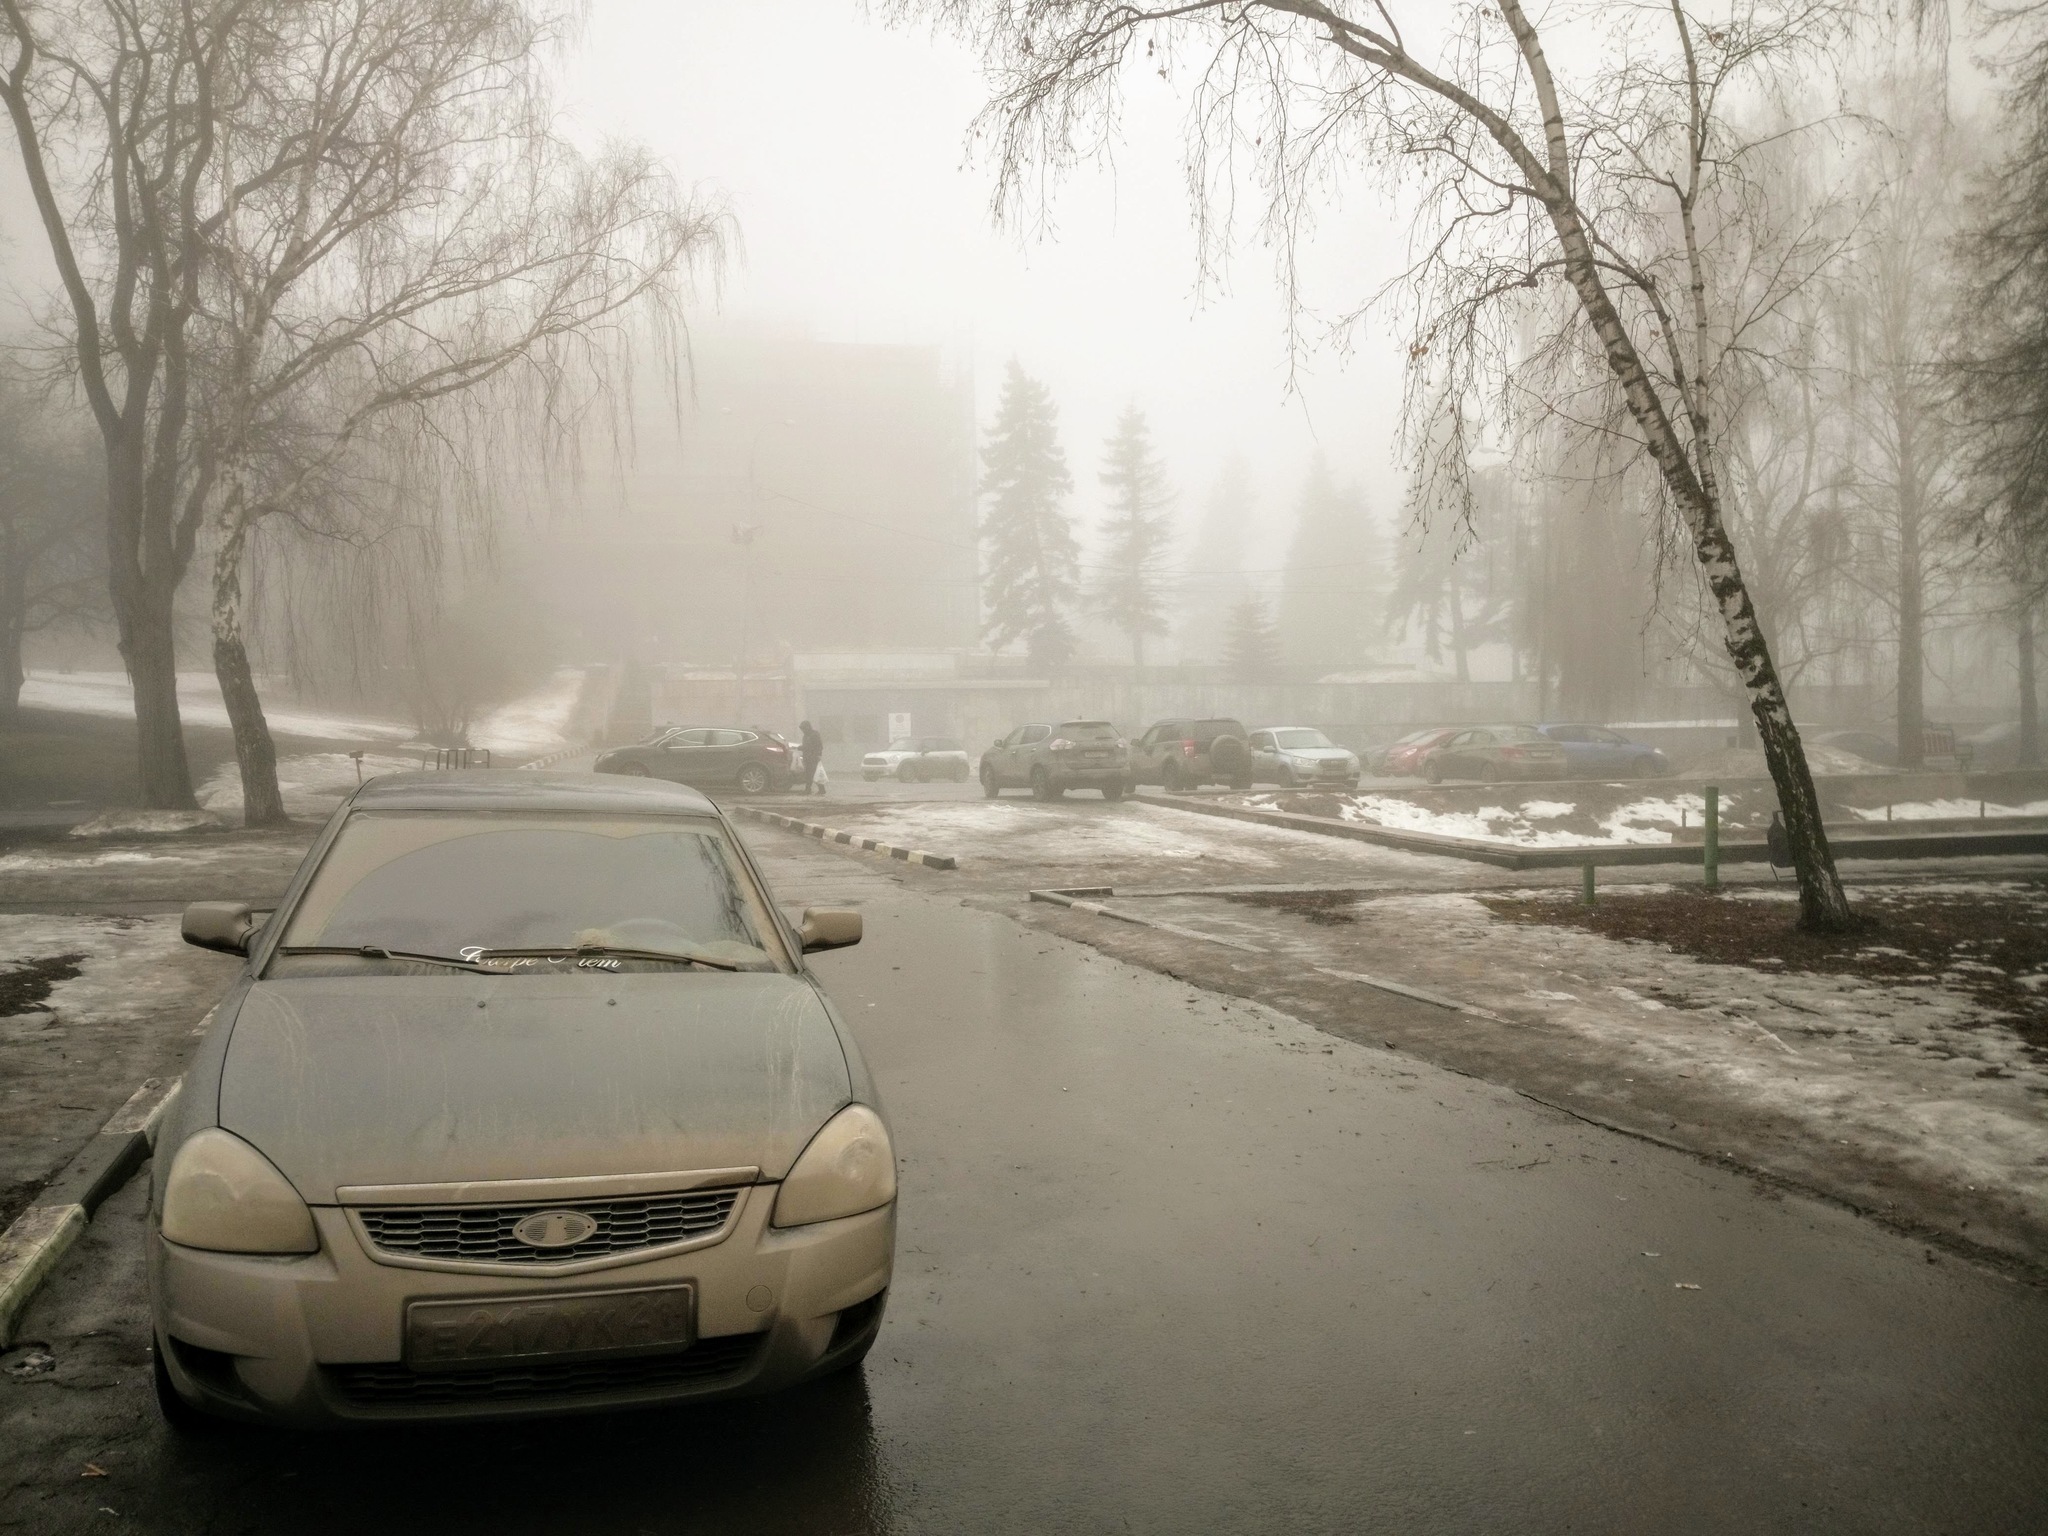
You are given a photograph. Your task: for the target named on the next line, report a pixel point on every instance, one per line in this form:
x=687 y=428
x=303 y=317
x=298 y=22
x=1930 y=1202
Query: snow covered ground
x=1944 y=810
x=535 y=725
x=1648 y=819
x=199 y=703
x=140 y=823
x=1084 y=837
x=71 y=1059
x=312 y=784
x=527 y=727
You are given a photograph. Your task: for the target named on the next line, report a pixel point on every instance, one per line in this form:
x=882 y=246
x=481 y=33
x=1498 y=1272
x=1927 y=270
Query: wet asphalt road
x=1172 y=1263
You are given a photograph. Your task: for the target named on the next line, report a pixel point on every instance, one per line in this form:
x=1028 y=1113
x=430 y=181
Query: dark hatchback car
x=707 y=757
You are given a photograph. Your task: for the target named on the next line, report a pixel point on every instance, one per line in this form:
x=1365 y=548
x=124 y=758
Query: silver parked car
x=524 y=1102
x=1294 y=755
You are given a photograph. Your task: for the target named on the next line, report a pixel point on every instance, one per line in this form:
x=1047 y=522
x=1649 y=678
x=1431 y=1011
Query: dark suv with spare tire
x=1186 y=754
x=1052 y=759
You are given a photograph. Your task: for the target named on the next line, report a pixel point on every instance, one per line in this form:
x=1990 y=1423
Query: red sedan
x=1404 y=758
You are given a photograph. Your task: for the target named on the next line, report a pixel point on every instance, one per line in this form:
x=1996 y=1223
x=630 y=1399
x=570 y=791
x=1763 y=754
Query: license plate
x=531 y=1327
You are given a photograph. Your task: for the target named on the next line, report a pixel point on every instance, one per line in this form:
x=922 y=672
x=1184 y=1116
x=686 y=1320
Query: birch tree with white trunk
x=1589 y=181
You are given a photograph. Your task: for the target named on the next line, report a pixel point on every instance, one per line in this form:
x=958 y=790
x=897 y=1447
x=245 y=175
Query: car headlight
x=226 y=1196
x=849 y=1167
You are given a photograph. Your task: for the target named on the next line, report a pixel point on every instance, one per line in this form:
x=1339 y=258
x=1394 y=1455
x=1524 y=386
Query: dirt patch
x=1991 y=942
x=1329 y=908
x=28 y=982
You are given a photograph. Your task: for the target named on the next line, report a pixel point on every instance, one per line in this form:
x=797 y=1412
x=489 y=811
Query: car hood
x=1317 y=754
x=408 y=1080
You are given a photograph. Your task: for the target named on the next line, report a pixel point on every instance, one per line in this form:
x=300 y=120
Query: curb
x=834 y=835
x=555 y=757
x=39 y=1237
x=1940 y=845
x=1076 y=900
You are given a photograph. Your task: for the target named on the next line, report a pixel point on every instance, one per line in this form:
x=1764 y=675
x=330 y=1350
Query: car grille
x=395 y=1383
x=482 y=1234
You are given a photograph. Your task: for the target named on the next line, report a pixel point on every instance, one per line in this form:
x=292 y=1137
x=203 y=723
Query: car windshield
x=901 y=744
x=1298 y=739
x=1518 y=735
x=1206 y=731
x=1087 y=730
x=942 y=744
x=460 y=885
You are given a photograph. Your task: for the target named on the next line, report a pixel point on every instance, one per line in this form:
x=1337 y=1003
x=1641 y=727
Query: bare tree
x=408 y=248
x=1599 y=186
x=1892 y=309
x=113 y=105
x=50 y=565
x=1998 y=357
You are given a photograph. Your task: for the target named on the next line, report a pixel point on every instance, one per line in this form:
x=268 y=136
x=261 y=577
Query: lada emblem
x=554 y=1229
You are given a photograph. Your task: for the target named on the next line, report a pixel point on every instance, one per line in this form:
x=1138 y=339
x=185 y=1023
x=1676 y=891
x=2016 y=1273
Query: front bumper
x=255 y=1337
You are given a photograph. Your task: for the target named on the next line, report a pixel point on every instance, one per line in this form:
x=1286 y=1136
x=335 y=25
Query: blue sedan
x=1595 y=752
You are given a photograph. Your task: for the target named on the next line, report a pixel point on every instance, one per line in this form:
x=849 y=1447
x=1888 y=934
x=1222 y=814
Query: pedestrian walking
x=813 y=749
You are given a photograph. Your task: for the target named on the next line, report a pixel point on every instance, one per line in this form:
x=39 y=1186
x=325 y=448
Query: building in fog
x=812 y=496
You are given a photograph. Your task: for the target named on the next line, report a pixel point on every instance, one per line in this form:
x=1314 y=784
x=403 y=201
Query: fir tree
x=1130 y=591
x=1453 y=578
x=1031 y=568
x=1215 y=582
x=1251 y=642
x=1330 y=597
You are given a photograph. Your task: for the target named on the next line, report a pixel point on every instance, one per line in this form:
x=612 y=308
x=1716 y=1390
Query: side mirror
x=829 y=928
x=222 y=925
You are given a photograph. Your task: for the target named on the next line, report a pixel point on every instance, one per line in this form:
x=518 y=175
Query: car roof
x=518 y=789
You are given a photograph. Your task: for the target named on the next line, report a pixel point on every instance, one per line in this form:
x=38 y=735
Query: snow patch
x=139 y=823
x=29 y=863
x=1652 y=819
x=1945 y=810
x=312 y=784
x=199 y=703
x=536 y=724
x=123 y=957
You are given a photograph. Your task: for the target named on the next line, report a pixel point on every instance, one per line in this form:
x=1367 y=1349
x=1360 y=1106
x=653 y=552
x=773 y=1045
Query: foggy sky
x=841 y=147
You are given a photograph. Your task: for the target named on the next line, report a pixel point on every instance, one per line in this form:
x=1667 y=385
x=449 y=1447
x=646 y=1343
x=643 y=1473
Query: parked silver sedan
x=524 y=1102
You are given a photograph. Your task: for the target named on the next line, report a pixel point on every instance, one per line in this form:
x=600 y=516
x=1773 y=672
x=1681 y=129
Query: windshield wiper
x=610 y=951
x=378 y=952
